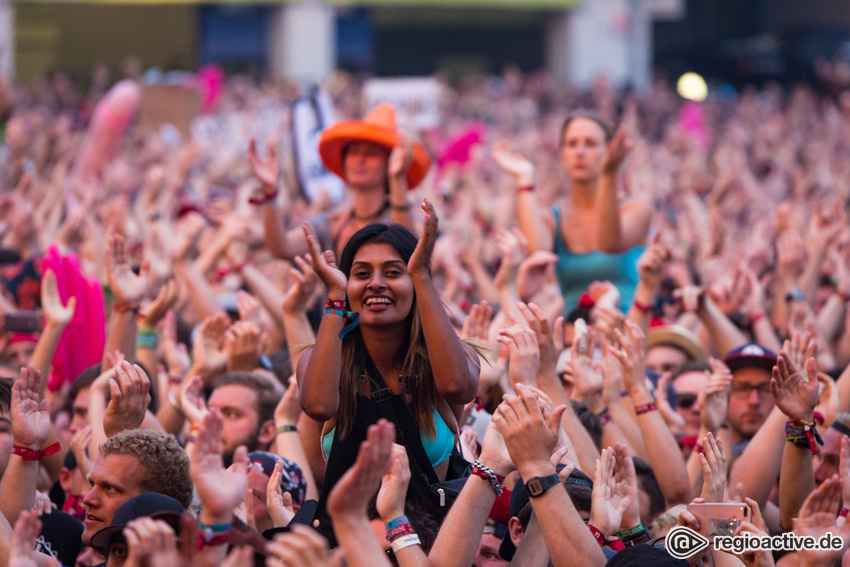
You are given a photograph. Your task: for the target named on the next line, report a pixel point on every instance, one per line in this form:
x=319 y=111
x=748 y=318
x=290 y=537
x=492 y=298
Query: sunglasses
x=685 y=401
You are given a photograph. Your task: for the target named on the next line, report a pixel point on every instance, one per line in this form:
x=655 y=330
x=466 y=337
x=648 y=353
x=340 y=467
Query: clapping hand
x=324 y=264
x=420 y=261
x=609 y=501
x=796 y=395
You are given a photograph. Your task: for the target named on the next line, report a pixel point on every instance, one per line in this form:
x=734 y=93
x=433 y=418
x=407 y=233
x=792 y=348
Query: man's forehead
x=751 y=375
x=115 y=469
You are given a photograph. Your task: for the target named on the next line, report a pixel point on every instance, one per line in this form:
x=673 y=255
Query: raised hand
x=477 y=323
x=800 y=348
x=352 y=493
x=130 y=398
x=524 y=354
x=278 y=502
x=219 y=490
x=242 y=343
x=652 y=264
x=54 y=311
x=713 y=462
x=165 y=300
x=609 y=502
x=128 y=288
x=420 y=261
x=80 y=441
x=288 y=409
x=714 y=398
x=531 y=274
x=191 y=402
x=632 y=356
x=587 y=376
x=400 y=157
x=266 y=171
x=207 y=349
x=626 y=485
x=618 y=147
x=796 y=395
x=494 y=452
x=393 y=491
x=519 y=418
x=514 y=164
x=324 y=263
x=304 y=281
x=550 y=338
x=30 y=418
x=819 y=515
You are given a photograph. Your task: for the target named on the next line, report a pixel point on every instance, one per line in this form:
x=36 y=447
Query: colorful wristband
x=286 y=429
x=335 y=304
x=350 y=315
x=34 y=454
x=132 y=308
x=646 y=408
x=598 y=535
x=525 y=188
x=398 y=532
x=400 y=521
x=641 y=307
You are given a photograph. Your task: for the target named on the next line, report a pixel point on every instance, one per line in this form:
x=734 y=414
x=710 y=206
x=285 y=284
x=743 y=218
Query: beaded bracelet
x=483 y=471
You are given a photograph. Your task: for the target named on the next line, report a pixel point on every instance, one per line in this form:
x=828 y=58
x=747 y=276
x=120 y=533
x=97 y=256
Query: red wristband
x=125 y=308
x=641 y=307
x=525 y=188
x=756 y=318
x=844 y=511
x=34 y=454
x=264 y=197
x=399 y=531
x=600 y=537
x=645 y=408
x=335 y=304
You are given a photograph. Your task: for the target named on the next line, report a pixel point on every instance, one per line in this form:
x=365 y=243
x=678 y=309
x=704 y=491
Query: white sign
x=416 y=100
x=311 y=115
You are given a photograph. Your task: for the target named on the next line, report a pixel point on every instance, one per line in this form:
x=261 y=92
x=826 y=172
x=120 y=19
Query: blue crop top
x=577 y=271
x=438 y=448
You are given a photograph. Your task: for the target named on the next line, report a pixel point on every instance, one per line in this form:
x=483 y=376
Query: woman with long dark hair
x=370 y=359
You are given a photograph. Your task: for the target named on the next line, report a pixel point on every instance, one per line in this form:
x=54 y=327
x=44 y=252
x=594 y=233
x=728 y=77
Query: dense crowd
x=546 y=332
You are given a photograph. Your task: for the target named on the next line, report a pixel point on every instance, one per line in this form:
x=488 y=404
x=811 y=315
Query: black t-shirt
x=61 y=537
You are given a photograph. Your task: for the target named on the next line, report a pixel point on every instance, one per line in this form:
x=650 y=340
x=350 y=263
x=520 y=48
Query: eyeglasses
x=685 y=401
x=742 y=389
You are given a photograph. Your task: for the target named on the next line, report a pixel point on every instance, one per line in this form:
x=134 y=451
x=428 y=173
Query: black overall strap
x=406 y=430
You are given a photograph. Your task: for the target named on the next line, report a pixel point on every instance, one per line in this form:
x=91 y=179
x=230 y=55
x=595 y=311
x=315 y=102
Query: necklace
x=373 y=216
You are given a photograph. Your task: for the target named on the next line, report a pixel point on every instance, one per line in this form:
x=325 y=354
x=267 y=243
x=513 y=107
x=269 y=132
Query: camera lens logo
x=682 y=542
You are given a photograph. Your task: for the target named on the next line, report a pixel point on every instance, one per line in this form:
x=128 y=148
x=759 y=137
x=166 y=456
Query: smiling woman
x=379 y=365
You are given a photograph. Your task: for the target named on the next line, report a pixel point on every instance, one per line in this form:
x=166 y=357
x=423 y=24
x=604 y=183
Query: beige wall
x=73 y=37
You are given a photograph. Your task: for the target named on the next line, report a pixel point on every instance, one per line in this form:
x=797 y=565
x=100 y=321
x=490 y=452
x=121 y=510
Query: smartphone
x=720 y=519
x=580 y=334
x=23 y=322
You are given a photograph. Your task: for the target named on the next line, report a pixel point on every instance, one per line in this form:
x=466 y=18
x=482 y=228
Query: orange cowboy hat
x=379 y=128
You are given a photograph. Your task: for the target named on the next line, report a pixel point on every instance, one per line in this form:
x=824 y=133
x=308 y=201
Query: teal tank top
x=577 y=271
x=438 y=448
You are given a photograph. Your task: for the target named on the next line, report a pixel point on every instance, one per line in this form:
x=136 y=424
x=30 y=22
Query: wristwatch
x=538 y=485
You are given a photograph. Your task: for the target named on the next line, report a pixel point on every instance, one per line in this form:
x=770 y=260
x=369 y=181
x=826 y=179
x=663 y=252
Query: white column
x=7 y=40
x=558 y=46
x=302 y=41
x=598 y=40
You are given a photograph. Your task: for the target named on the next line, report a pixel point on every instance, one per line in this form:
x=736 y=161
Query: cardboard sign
x=416 y=100
x=168 y=104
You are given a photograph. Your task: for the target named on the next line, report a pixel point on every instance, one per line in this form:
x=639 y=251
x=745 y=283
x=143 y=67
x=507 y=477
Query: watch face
x=535 y=487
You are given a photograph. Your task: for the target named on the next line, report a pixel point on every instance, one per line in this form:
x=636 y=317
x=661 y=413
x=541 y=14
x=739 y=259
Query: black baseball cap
x=146 y=504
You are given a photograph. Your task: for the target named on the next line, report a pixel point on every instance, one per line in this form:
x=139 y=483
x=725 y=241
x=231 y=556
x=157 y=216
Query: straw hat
x=679 y=337
x=379 y=128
